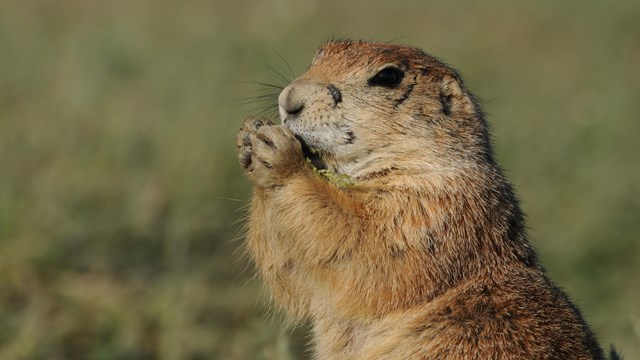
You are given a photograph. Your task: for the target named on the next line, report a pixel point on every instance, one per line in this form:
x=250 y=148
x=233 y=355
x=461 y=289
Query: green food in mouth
x=339 y=180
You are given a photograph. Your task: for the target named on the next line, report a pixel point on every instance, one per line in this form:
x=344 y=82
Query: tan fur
x=426 y=255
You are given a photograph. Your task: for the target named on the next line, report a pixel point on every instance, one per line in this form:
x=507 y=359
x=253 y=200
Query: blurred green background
x=121 y=202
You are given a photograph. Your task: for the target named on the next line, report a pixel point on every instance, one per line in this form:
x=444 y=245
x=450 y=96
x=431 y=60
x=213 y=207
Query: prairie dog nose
x=297 y=96
x=291 y=101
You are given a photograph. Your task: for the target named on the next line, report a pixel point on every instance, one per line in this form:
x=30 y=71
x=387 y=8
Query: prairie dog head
x=371 y=108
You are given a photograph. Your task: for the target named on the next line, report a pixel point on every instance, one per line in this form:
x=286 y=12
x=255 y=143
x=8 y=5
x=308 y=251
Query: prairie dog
x=424 y=253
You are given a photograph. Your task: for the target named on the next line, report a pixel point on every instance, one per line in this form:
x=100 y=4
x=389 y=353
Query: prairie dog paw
x=243 y=139
x=269 y=153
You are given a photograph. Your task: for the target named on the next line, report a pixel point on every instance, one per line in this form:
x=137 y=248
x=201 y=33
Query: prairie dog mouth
x=312 y=154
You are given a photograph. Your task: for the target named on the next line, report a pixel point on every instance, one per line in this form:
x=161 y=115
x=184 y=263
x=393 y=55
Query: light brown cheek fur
x=413 y=264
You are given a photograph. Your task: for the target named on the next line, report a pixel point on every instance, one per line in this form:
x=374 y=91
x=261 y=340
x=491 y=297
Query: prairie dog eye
x=389 y=77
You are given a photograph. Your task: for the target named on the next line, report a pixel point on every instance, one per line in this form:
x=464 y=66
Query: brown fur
x=426 y=256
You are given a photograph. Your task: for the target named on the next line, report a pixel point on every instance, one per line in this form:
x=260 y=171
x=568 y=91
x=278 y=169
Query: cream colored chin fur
x=426 y=255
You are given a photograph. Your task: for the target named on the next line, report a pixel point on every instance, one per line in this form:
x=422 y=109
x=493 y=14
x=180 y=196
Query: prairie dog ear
x=453 y=97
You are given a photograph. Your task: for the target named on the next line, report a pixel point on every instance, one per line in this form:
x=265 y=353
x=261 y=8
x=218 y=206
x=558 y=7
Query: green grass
x=121 y=200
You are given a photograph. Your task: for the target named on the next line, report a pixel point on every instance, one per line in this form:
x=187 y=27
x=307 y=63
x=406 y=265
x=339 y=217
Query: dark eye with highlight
x=388 y=77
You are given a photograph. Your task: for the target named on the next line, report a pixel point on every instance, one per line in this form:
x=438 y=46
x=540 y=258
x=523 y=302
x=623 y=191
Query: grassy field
x=121 y=200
